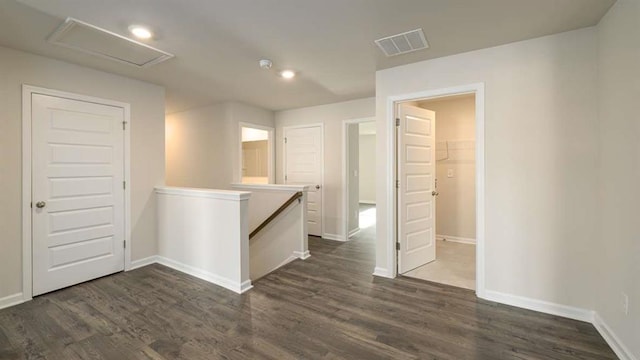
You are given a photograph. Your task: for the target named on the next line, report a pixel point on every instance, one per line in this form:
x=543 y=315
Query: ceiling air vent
x=403 y=43
x=93 y=40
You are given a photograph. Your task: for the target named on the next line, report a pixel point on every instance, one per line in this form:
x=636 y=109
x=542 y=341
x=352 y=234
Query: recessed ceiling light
x=288 y=74
x=140 y=32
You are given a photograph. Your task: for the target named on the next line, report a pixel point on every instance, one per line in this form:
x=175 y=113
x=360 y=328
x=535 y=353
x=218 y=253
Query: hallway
x=329 y=306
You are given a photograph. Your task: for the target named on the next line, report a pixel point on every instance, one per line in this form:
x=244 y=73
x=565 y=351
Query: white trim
x=478 y=89
x=27 y=266
x=345 y=170
x=284 y=163
x=205 y=275
x=272 y=187
x=11 y=300
x=546 y=307
x=456 y=239
x=127 y=189
x=204 y=193
x=136 y=264
x=302 y=255
x=612 y=339
x=27 y=92
x=382 y=272
x=271 y=154
x=353 y=232
x=368 y=202
x=335 y=237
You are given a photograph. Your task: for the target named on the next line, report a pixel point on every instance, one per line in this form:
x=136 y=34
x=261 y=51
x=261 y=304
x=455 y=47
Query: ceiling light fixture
x=265 y=64
x=288 y=74
x=140 y=32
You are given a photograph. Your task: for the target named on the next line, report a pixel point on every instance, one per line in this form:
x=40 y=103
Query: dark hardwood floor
x=327 y=307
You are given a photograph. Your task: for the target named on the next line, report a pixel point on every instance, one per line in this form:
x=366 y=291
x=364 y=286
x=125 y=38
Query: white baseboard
x=302 y=255
x=353 y=232
x=456 y=239
x=610 y=337
x=144 y=262
x=11 y=300
x=335 y=237
x=541 y=306
x=570 y=312
x=382 y=272
x=368 y=202
x=207 y=276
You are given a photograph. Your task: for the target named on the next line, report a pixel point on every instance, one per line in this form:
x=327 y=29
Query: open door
x=416 y=187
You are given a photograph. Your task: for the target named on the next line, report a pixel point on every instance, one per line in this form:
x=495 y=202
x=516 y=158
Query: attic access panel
x=90 y=39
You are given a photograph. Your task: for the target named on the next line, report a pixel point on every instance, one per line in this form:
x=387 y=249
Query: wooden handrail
x=275 y=214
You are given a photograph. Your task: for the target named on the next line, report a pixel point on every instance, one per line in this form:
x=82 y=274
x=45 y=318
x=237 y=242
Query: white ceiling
x=218 y=43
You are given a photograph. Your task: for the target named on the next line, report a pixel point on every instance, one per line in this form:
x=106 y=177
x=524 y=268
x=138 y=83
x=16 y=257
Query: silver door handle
x=41 y=204
x=435 y=193
x=317 y=187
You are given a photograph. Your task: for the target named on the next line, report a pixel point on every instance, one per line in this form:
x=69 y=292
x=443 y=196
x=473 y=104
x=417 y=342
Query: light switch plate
x=450 y=173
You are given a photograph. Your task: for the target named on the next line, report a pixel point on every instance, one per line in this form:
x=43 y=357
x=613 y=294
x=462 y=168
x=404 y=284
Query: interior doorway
x=256 y=154
x=359 y=179
x=436 y=189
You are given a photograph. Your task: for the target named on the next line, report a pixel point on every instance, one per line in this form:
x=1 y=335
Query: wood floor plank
x=327 y=307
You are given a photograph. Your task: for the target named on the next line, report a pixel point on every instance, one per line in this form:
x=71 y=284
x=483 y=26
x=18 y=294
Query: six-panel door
x=78 y=195
x=416 y=187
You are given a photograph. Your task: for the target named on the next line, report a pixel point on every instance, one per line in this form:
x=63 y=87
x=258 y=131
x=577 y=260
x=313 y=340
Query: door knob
x=435 y=193
x=41 y=204
x=317 y=187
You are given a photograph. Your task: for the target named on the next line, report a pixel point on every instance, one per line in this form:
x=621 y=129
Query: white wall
x=285 y=238
x=205 y=233
x=540 y=153
x=147 y=148
x=195 y=157
x=368 y=168
x=617 y=266
x=456 y=203
x=203 y=144
x=331 y=116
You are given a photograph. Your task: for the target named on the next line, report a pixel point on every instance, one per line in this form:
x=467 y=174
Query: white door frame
x=478 y=90
x=345 y=170
x=27 y=92
x=284 y=165
x=271 y=164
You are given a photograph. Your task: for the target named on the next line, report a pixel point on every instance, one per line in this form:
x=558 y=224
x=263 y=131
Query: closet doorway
x=436 y=189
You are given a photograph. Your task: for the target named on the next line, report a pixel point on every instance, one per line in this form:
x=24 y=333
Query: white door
x=416 y=187
x=78 y=191
x=303 y=165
